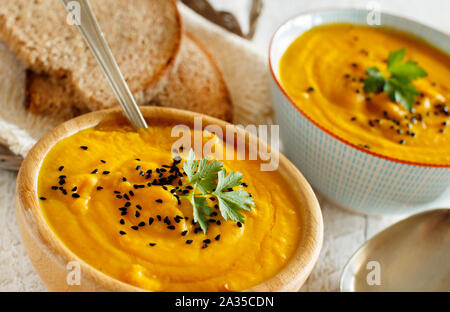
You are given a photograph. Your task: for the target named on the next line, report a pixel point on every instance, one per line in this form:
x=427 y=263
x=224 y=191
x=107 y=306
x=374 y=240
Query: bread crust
x=197 y=84
x=56 y=50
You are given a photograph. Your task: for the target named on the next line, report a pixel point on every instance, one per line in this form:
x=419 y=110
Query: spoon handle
x=87 y=24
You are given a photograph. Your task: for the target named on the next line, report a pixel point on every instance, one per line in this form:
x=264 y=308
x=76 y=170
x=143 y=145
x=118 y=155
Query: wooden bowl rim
x=293 y=273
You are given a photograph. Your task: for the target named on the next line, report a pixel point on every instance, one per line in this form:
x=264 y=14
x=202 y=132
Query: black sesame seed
x=103 y=161
x=116 y=192
x=184 y=233
x=159 y=217
x=152 y=244
x=205 y=246
x=218 y=222
x=124 y=179
x=139 y=207
x=54 y=187
x=124 y=213
x=166 y=220
x=138 y=168
x=239 y=224
x=122 y=221
x=84 y=148
x=310 y=89
x=207 y=241
x=217 y=237
x=42 y=198
x=61 y=168
x=74 y=189
x=105 y=172
x=171 y=227
x=212 y=198
x=442 y=130
x=150 y=221
x=137 y=214
x=400 y=131
x=138 y=159
x=141 y=224
x=131 y=193
x=119 y=196
x=189 y=241
x=402 y=142
x=159 y=201
x=75 y=195
x=122 y=233
x=99 y=188
x=126 y=197
x=134 y=227
x=94 y=171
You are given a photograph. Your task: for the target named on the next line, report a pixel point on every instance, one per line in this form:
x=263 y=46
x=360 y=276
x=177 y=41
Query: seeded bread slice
x=197 y=84
x=144 y=35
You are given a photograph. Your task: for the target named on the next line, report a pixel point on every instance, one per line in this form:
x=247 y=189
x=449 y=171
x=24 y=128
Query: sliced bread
x=197 y=84
x=144 y=35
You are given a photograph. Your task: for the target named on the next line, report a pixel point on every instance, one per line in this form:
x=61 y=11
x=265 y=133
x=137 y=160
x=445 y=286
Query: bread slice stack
x=161 y=65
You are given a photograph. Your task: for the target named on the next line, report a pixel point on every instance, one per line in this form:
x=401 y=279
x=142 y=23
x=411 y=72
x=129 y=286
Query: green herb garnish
x=398 y=86
x=210 y=178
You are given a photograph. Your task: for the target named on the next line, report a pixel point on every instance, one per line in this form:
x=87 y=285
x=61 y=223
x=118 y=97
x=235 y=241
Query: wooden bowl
x=51 y=258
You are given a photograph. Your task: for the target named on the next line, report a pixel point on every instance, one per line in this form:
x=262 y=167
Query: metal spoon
x=87 y=24
x=411 y=255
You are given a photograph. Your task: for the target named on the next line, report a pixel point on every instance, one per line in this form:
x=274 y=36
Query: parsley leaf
x=210 y=178
x=200 y=208
x=206 y=176
x=231 y=203
x=398 y=86
x=190 y=165
x=375 y=82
